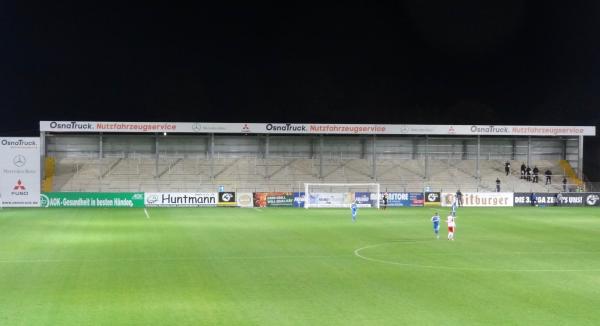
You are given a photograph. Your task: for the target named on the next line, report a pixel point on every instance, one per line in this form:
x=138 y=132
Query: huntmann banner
x=20 y=171
x=180 y=199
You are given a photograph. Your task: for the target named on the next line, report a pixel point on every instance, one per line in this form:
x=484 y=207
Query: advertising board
x=273 y=199
x=92 y=199
x=404 y=199
x=330 y=199
x=20 y=171
x=227 y=198
x=480 y=199
x=180 y=199
x=433 y=199
x=524 y=198
x=244 y=199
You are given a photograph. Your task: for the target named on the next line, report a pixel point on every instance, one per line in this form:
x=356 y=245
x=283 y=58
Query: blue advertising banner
x=366 y=199
x=299 y=199
x=404 y=199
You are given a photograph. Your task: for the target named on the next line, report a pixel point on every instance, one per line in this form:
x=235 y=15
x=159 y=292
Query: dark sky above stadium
x=415 y=61
x=405 y=62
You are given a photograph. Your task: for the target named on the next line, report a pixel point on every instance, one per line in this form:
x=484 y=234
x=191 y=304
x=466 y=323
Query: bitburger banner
x=20 y=171
x=480 y=199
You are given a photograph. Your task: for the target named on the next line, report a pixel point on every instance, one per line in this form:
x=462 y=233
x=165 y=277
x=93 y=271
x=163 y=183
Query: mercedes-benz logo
x=197 y=127
x=19 y=160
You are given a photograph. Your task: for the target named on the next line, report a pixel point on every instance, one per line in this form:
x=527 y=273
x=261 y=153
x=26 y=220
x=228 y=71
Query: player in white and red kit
x=451 y=226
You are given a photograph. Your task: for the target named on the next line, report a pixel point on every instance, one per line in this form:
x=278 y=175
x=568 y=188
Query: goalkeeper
x=354 y=210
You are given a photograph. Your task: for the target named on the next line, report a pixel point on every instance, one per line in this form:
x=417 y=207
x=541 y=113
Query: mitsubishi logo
x=19 y=160
x=19 y=186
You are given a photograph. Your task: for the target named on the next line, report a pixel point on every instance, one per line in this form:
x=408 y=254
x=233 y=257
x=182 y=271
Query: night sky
x=430 y=62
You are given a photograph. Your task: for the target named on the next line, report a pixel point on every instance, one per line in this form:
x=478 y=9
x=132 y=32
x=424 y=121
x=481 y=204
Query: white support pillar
x=321 y=140
x=267 y=140
x=374 y=157
x=212 y=156
x=101 y=146
x=156 y=155
x=478 y=176
x=43 y=153
x=528 y=151
x=580 y=159
x=426 y=157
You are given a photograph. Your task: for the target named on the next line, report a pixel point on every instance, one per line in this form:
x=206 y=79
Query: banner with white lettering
x=578 y=199
x=20 y=171
x=540 y=198
x=180 y=199
x=404 y=199
x=480 y=199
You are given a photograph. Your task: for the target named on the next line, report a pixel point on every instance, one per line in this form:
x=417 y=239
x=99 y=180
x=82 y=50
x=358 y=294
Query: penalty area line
x=146 y=212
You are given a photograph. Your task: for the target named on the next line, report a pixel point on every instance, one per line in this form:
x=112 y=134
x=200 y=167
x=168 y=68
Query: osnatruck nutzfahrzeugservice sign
x=20 y=171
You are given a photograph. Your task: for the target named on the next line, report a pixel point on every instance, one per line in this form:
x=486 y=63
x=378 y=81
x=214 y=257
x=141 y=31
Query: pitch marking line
x=358 y=254
x=164 y=259
x=147 y=215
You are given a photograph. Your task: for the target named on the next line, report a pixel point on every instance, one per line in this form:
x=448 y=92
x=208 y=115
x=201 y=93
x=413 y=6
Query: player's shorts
x=450 y=229
x=436 y=226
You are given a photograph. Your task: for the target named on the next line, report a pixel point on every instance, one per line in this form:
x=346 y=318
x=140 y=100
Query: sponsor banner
x=313 y=128
x=20 y=171
x=524 y=198
x=244 y=199
x=404 y=199
x=433 y=199
x=273 y=199
x=92 y=199
x=330 y=199
x=180 y=199
x=299 y=199
x=579 y=199
x=480 y=199
x=227 y=198
x=366 y=199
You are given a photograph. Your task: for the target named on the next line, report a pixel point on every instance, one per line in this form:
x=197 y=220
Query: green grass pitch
x=217 y=266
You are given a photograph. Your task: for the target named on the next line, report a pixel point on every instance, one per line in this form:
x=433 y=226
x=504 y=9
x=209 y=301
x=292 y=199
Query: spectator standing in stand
x=564 y=182
x=548 y=174
x=528 y=174
x=523 y=169
x=497 y=184
x=536 y=173
x=507 y=167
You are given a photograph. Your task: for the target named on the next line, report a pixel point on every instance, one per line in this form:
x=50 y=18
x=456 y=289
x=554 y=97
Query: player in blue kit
x=354 y=210
x=435 y=219
x=454 y=206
